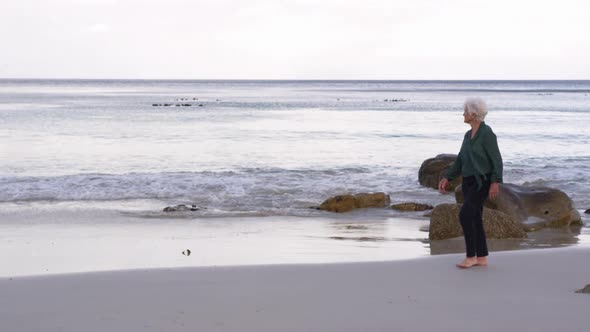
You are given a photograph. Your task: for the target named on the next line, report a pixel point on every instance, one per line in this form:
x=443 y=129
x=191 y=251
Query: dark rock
x=587 y=211
x=434 y=169
x=551 y=206
x=200 y=105
x=411 y=207
x=345 y=203
x=355 y=227
x=187 y=252
x=183 y=207
x=585 y=290
x=444 y=224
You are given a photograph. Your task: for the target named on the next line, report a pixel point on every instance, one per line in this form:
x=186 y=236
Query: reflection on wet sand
x=361 y=238
x=386 y=230
x=373 y=238
x=545 y=238
x=384 y=233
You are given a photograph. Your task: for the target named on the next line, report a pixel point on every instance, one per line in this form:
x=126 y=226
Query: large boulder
x=434 y=169
x=345 y=203
x=552 y=207
x=444 y=224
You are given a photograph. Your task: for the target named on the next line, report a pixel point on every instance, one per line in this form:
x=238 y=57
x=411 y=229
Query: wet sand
x=45 y=239
x=54 y=240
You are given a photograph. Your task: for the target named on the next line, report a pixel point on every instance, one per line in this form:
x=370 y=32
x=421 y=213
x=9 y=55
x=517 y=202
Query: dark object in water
x=585 y=290
x=183 y=207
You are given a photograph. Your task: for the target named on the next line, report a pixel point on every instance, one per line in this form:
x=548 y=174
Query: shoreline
x=520 y=290
x=48 y=242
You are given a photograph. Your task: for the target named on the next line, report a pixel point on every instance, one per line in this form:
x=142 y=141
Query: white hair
x=476 y=106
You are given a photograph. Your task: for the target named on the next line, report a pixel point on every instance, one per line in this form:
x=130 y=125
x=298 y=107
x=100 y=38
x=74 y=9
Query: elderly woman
x=480 y=163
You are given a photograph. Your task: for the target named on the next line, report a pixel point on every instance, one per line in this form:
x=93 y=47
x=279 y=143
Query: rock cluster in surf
x=550 y=207
x=532 y=208
x=516 y=211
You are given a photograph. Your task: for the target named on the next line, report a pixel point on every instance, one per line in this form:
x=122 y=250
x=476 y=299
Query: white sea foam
x=245 y=190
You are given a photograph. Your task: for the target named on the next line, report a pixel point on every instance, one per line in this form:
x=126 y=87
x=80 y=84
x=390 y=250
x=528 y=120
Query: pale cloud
x=295 y=39
x=94 y=2
x=99 y=27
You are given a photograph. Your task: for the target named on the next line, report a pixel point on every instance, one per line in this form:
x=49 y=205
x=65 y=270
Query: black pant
x=470 y=216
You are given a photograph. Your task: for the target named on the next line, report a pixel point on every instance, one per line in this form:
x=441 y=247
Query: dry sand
x=520 y=291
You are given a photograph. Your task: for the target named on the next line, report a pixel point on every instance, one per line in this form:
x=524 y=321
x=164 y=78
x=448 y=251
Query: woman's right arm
x=452 y=173
x=455 y=169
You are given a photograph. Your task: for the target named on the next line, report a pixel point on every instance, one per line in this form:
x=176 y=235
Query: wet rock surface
x=444 y=224
x=552 y=207
x=434 y=169
x=585 y=290
x=345 y=203
x=409 y=206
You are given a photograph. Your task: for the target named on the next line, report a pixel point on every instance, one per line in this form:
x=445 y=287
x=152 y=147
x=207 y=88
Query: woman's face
x=467 y=117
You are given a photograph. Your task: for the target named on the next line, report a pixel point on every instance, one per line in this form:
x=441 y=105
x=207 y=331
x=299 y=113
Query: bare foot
x=467 y=263
x=482 y=261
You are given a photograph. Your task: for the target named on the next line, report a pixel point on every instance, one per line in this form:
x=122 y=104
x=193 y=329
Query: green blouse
x=479 y=157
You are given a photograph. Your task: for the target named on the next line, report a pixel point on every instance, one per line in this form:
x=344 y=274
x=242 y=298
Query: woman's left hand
x=494 y=190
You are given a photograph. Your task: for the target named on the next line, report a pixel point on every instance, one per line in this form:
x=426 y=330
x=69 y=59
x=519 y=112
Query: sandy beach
x=530 y=290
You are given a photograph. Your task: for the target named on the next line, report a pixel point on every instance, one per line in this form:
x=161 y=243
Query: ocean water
x=274 y=147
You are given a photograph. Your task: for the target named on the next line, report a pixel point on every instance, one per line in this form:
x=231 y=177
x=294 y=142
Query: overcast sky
x=295 y=39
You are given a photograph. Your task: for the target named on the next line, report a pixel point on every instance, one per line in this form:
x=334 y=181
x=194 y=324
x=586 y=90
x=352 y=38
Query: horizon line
x=282 y=79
